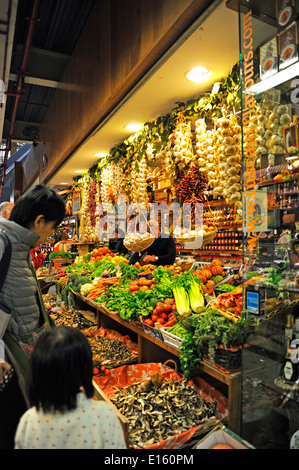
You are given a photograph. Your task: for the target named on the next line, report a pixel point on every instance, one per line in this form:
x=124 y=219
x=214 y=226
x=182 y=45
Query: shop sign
x=249 y=131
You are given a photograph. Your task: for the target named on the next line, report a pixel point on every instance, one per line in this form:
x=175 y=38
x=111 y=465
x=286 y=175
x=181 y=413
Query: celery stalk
x=182 y=301
x=197 y=301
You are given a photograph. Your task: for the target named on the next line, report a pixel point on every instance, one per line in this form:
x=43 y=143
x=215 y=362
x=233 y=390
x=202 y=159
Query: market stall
x=185 y=170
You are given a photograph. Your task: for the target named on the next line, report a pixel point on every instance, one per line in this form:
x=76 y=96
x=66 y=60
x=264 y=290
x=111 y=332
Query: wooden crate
x=100 y=395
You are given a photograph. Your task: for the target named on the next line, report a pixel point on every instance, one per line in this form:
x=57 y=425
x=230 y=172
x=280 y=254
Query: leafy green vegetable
x=226 y=287
x=210 y=329
x=63 y=254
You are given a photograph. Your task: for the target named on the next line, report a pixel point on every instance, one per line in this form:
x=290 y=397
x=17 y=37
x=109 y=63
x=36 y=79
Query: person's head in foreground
x=61 y=365
x=40 y=210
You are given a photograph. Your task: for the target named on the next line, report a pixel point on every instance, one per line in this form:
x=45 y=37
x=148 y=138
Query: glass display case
x=270 y=129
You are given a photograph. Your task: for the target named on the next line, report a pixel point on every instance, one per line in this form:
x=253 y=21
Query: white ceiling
x=214 y=45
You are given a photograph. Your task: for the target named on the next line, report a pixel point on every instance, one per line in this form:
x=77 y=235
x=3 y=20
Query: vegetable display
x=272 y=118
x=112 y=179
x=171 y=298
x=86 y=229
x=210 y=329
x=163 y=313
x=62 y=254
x=192 y=185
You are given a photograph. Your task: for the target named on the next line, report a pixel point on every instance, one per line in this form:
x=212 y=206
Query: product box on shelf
x=223 y=437
x=154 y=332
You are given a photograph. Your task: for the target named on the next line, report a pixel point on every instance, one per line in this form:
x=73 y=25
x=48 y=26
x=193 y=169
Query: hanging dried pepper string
x=191 y=188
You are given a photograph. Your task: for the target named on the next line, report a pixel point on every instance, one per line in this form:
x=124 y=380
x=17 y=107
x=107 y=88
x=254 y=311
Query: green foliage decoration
x=157 y=132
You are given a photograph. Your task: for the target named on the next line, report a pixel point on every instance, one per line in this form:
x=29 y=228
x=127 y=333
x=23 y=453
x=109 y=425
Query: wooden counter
x=153 y=350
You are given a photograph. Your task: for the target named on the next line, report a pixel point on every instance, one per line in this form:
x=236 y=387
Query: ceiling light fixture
x=133 y=127
x=79 y=171
x=198 y=74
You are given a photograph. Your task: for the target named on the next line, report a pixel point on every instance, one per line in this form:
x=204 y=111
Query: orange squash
x=206 y=272
x=216 y=262
x=216 y=270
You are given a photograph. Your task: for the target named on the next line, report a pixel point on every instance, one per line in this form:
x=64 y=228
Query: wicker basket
x=138 y=245
x=207 y=238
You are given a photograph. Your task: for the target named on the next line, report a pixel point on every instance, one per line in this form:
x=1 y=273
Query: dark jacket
x=120 y=247
x=162 y=247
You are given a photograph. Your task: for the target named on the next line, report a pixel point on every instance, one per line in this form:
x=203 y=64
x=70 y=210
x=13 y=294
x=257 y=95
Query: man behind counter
x=161 y=253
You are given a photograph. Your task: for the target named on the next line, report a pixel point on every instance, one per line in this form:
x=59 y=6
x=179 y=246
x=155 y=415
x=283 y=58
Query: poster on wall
x=268 y=58
x=288 y=46
x=76 y=203
x=285 y=12
x=261 y=213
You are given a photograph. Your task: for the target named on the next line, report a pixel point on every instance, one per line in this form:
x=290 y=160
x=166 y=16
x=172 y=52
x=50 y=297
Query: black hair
x=60 y=364
x=38 y=200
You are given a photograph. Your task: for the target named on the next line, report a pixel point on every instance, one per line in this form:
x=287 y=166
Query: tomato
x=164 y=316
x=174 y=307
x=103 y=368
x=95 y=371
x=161 y=321
x=159 y=304
x=107 y=372
x=148 y=322
x=144 y=288
x=167 y=308
x=168 y=301
x=159 y=310
x=154 y=318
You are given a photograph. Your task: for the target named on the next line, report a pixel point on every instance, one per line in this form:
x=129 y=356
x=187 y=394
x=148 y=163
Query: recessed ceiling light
x=133 y=127
x=199 y=74
x=100 y=154
x=79 y=171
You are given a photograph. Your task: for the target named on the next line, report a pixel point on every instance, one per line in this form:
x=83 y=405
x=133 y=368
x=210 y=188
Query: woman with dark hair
x=62 y=244
x=63 y=414
x=23 y=316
